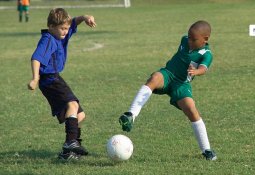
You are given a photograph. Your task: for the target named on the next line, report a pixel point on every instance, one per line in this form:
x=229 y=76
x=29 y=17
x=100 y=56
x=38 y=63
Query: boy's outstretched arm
x=35 y=65
x=89 y=20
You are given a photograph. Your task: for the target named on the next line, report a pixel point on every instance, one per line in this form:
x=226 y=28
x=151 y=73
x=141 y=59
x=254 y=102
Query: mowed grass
x=136 y=42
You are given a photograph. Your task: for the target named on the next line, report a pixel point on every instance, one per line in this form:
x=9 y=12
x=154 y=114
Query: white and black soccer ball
x=119 y=148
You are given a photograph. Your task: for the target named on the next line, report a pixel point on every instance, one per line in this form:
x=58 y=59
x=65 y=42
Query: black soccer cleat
x=68 y=156
x=75 y=146
x=126 y=121
x=209 y=154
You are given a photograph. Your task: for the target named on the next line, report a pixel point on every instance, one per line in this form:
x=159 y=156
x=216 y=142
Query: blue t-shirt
x=52 y=52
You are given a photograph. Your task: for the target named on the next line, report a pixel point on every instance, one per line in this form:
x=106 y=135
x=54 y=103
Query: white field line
x=65 y=6
x=96 y=46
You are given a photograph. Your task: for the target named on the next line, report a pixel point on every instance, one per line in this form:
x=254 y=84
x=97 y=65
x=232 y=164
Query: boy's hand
x=191 y=70
x=33 y=84
x=90 y=21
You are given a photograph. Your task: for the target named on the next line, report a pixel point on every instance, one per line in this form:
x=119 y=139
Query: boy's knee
x=156 y=76
x=81 y=116
x=188 y=106
x=192 y=114
x=155 y=81
x=73 y=105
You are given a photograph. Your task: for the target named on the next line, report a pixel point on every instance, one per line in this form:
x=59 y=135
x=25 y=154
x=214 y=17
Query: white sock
x=140 y=99
x=201 y=135
x=72 y=116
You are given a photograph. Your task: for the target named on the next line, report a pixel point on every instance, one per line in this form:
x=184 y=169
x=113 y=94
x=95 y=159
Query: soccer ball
x=119 y=148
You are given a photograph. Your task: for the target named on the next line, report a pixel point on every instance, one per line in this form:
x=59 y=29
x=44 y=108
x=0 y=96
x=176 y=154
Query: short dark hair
x=202 y=26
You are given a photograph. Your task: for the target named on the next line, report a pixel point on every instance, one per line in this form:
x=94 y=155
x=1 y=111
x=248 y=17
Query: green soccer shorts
x=174 y=88
x=24 y=8
x=19 y=7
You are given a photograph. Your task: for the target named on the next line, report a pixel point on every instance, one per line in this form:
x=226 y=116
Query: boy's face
x=196 y=39
x=59 y=31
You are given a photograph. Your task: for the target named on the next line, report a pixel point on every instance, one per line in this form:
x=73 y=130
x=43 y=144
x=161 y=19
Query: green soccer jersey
x=180 y=62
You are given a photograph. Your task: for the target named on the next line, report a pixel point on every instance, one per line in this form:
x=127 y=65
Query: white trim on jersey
x=203 y=51
x=204 y=66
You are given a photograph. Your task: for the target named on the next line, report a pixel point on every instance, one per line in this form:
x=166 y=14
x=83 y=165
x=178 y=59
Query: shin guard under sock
x=71 y=125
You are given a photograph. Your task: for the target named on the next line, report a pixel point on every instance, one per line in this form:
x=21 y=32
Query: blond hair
x=58 y=16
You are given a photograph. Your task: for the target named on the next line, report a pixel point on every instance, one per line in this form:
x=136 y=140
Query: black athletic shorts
x=58 y=94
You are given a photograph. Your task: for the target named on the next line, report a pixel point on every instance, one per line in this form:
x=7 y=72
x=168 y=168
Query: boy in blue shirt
x=192 y=58
x=47 y=61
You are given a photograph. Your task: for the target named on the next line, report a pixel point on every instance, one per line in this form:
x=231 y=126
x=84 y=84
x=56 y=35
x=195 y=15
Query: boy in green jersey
x=192 y=58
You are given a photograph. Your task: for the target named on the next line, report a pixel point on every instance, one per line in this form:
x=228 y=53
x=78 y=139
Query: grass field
x=135 y=42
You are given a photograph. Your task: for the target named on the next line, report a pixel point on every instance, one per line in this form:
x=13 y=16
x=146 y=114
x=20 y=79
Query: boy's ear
x=206 y=38
x=51 y=26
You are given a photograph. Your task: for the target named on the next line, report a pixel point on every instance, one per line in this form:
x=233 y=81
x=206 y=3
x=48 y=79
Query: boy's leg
x=72 y=130
x=57 y=94
x=188 y=107
x=70 y=113
x=156 y=81
x=140 y=99
x=127 y=118
x=27 y=16
x=81 y=117
x=20 y=15
x=26 y=10
x=71 y=121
